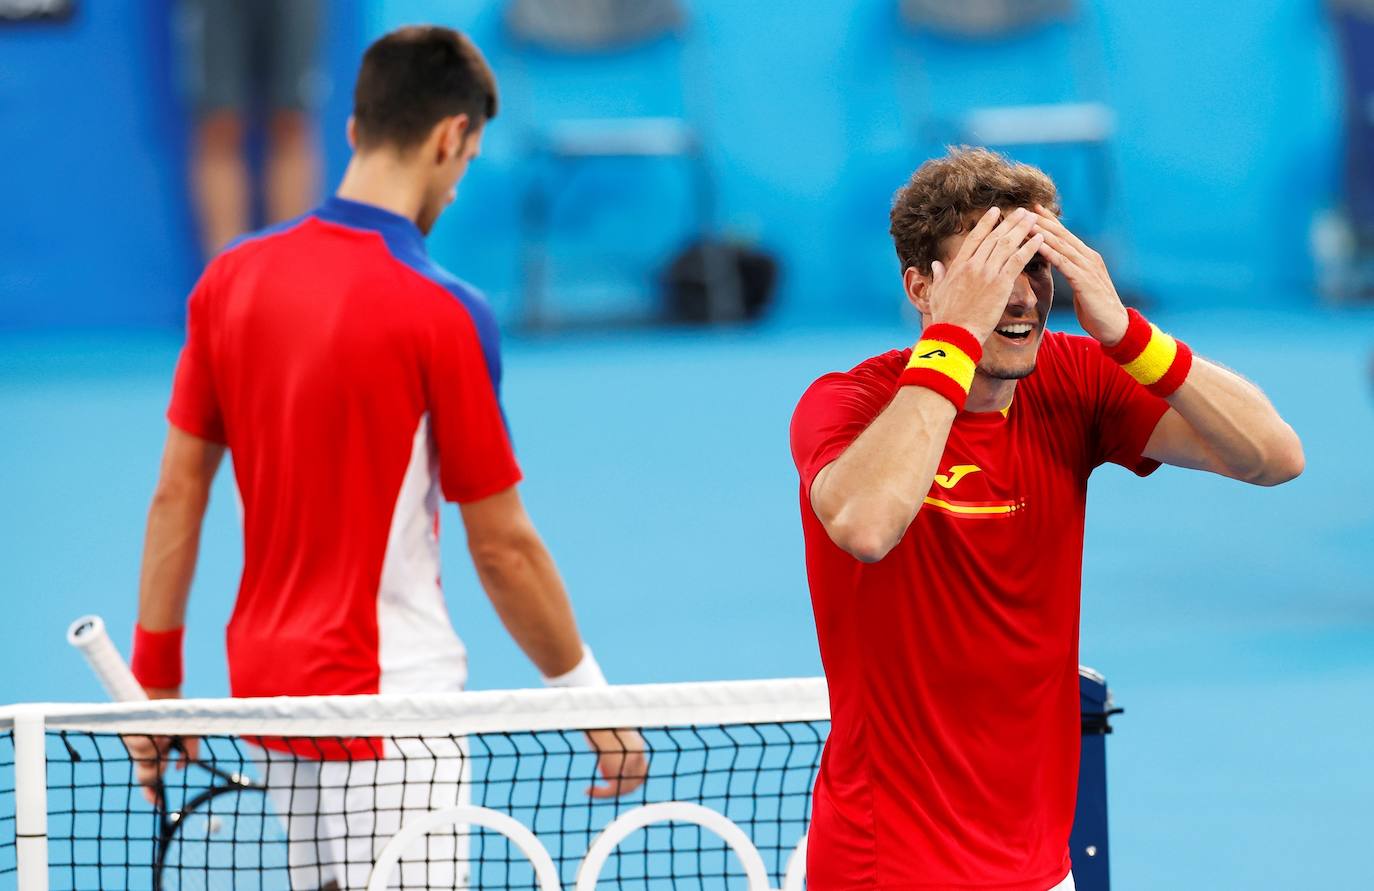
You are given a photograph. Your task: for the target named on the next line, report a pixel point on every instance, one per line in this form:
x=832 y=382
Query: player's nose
x=1022 y=295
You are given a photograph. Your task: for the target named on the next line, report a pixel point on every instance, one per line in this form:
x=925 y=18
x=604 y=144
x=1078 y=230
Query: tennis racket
x=222 y=835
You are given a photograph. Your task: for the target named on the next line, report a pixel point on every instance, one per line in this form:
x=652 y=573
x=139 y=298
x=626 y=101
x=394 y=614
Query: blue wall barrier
x=1226 y=146
x=94 y=229
x=96 y=226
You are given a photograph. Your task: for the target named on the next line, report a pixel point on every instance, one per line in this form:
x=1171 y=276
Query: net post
x=30 y=799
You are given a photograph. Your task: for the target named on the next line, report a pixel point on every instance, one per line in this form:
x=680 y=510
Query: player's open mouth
x=1017 y=333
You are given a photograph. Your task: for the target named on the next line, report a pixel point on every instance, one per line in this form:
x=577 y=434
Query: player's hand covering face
x=1095 y=301
x=998 y=287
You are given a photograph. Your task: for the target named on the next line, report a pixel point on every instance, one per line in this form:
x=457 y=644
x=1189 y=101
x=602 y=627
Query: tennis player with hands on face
x=356 y=383
x=943 y=491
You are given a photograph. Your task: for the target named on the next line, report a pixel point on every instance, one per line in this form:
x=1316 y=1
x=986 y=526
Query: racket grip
x=88 y=635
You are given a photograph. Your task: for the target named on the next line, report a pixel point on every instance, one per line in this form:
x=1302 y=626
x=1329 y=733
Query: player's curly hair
x=945 y=196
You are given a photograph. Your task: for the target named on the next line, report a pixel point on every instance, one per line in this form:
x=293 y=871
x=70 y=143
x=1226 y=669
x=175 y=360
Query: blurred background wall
x=1225 y=150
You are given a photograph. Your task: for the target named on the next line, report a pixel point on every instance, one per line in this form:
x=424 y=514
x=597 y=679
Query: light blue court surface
x=1236 y=625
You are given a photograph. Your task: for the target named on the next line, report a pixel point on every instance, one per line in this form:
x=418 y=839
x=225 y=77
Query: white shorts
x=340 y=814
x=1066 y=885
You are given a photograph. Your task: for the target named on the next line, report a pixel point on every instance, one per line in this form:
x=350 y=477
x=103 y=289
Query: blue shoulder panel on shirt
x=406 y=244
x=483 y=319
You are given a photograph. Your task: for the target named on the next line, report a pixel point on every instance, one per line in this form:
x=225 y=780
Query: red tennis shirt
x=355 y=382
x=952 y=760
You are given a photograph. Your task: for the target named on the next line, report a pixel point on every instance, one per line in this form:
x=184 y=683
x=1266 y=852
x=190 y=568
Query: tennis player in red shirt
x=356 y=384
x=942 y=496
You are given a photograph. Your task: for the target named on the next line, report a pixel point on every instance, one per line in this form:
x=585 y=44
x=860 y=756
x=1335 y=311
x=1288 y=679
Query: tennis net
x=471 y=790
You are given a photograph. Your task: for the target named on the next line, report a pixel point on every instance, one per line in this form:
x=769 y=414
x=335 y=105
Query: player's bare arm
x=522 y=581
x=170 y=547
x=172 y=542
x=520 y=577
x=1222 y=423
x=868 y=496
x=1217 y=421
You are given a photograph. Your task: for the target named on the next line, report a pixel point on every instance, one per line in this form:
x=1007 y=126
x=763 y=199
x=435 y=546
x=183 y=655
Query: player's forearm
x=170 y=548
x=868 y=496
x=1246 y=436
x=523 y=583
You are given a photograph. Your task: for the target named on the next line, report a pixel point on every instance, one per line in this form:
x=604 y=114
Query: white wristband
x=584 y=674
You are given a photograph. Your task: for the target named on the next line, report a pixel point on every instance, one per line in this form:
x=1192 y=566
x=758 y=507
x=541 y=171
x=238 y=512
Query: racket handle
x=88 y=635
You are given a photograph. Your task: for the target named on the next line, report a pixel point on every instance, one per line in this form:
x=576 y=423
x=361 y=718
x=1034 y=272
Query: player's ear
x=452 y=133
x=352 y=133
x=917 y=286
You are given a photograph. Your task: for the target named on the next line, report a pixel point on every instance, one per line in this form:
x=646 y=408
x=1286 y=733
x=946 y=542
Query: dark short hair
x=947 y=195
x=413 y=78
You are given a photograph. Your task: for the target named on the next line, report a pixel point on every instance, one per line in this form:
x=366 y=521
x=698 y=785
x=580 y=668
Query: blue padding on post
x=1088 y=841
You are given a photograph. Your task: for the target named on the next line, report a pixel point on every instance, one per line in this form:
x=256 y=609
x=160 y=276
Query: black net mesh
x=8 y=863
x=328 y=820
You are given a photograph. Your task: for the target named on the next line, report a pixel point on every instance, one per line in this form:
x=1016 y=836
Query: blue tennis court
x=1233 y=623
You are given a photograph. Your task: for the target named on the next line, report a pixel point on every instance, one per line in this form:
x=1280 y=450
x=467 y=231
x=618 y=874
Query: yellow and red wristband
x=1159 y=362
x=156 y=658
x=944 y=361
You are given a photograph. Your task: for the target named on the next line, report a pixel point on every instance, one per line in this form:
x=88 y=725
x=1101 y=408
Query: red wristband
x=1138 y=334
x=1158 y=362
x=944 y=360
x=941 y=383
x=157 y=657
x=1177 y=373
x=957 y=335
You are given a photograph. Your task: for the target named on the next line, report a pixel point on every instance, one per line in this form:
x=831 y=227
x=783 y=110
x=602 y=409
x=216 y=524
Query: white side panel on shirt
x=418 y=649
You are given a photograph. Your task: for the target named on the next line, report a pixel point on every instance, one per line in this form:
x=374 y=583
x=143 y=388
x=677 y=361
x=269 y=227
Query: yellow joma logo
x=956 y=473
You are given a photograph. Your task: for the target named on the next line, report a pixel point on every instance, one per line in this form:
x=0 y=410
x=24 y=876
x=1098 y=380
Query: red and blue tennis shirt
x=354 y=382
